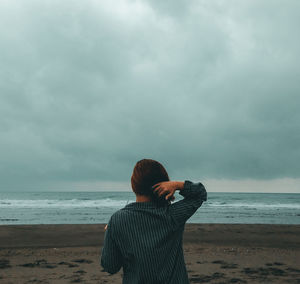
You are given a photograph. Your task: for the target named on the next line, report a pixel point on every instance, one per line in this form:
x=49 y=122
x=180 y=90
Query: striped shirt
x=146 y=239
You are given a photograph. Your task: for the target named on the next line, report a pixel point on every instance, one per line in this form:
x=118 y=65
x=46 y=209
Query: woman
x=145 y=237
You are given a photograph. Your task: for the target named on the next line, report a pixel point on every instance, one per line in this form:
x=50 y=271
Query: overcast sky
x=210 y=89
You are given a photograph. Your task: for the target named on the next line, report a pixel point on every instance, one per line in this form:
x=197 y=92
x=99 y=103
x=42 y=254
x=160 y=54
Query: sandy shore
x=214 y=253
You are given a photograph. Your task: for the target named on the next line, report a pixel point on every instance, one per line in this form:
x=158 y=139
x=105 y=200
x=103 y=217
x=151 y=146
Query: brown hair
x=146 y=173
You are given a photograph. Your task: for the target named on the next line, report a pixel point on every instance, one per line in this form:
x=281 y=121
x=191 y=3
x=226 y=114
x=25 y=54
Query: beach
x=214 y=253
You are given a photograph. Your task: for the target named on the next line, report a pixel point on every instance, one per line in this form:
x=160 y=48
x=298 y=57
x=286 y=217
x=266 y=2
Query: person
x=145 y=237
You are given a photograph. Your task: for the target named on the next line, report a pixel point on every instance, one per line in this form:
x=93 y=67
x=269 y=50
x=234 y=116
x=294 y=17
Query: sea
x=97 y=207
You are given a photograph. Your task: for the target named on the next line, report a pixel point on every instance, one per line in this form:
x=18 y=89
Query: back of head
x=146 y=173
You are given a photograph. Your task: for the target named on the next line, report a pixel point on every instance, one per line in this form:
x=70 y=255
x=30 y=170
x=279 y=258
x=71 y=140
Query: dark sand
x=214 y=253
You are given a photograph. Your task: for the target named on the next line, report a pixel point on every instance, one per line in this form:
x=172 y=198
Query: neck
x=143 y=198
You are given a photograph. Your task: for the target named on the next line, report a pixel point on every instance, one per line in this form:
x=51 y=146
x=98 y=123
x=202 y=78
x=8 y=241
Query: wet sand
x=214 y=253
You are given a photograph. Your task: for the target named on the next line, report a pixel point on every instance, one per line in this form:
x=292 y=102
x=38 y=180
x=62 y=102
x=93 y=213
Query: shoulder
x=121 y=216
x=117 y=222
x=117 y=216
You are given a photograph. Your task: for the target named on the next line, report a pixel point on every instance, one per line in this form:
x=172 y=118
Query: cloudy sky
x=210 y=89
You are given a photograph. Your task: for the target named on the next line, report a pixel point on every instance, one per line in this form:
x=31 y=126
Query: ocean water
x=97 y=207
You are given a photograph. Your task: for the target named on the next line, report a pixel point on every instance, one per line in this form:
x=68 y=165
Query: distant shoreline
x=70 y=235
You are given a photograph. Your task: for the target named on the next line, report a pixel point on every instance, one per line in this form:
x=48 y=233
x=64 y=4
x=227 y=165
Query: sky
x=210 y=89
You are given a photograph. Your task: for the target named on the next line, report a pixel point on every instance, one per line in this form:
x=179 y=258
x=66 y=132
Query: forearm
x=179 y=185
x=193 y=190
x=187 y=189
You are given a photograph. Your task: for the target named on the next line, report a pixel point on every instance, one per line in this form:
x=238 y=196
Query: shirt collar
x=147 y=204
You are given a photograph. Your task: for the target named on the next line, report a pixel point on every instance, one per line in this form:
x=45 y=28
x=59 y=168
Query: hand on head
x=166 y=189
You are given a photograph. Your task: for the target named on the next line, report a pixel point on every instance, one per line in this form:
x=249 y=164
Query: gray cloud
x=209 y=88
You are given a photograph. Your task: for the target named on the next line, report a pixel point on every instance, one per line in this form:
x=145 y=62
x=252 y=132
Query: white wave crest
x=256 y=205
x=56 y=203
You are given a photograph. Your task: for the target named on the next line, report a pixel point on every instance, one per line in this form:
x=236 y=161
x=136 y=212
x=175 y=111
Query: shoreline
x=71 y=235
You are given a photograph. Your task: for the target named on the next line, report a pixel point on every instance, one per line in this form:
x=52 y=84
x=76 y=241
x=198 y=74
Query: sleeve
x=194 y=194
x=111 y=257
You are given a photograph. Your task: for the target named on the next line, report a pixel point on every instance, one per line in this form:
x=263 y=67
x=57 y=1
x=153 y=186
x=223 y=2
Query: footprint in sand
x=4 y=263
x=82 y=260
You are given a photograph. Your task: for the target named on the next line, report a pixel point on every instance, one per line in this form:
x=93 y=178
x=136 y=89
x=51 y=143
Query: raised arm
x=194 y=194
